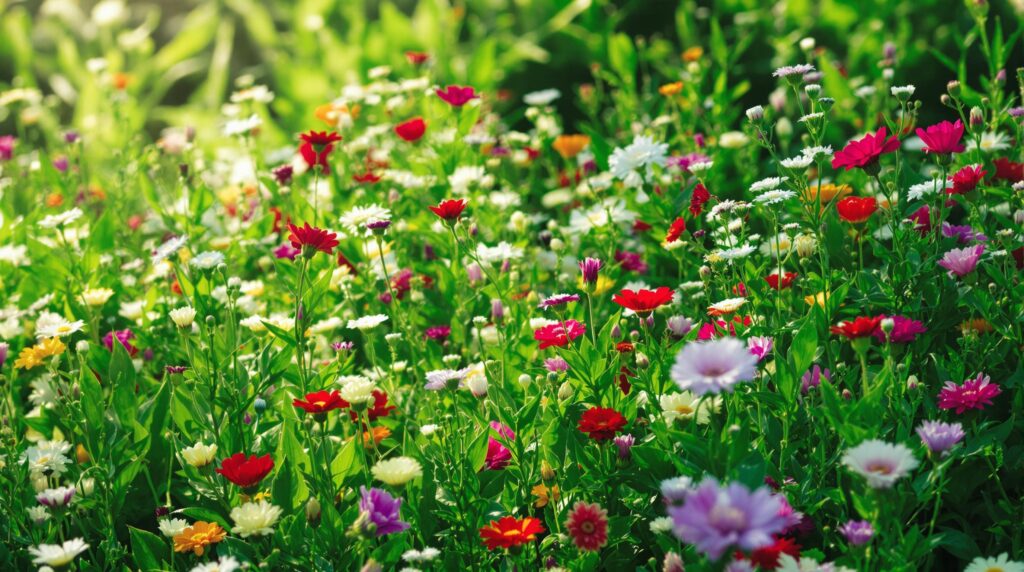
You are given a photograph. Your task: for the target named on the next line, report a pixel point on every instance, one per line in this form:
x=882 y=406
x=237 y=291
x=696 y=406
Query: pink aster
x=942 y=138
x=962 y=261
x=974 y=393
x=904 y=330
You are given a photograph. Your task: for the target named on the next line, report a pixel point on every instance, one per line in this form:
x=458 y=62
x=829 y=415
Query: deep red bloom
x=601 y=423
x=675 y=230
x=943 y=138
x=865 y=152
x=314 y=238
x=856 y=209
x=631 y=261
x=625 y=374
x=776 y=284
x=640 y=226
x=904 y=330
x=1008 y=170
x=643 y=301
x=767 y=557
x=417 y=58
x=246 y=472
x=861 y=327
x=922 y=218
x=697 y=200
x=450 y=209
x=316 y=146
x=457 y=96
x=624 y=347
x=1018 y=257
x=321 y=402
x=510 y=531
x=966 y=180
x=411 y=130
x=588 y=526
x=557 y=336
x=366 y=177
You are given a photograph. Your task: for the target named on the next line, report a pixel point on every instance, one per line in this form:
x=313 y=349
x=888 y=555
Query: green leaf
x=149 y=550
x=121 y=375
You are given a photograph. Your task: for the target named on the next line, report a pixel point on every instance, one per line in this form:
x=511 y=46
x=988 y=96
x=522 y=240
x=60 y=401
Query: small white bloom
x=255 y=519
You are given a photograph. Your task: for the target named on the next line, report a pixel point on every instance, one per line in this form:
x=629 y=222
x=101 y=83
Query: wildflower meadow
x=518 y=285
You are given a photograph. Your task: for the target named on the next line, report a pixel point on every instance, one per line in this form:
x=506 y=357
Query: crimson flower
x=316 y=146
x=904 y=330
x=366 y=177
x=780 y=283
x=457 y=96
x=861 y=327
x=379 y=408
x=417 y=58
x=601 y=423
x=942 y=138
x=767 y=557
x=856 y=209
x=966 y=180
x=1008 y=170
x=675 y=230
x=321 y=402
x=311 y=239
x=864 y=153
x=246 y=472
x=509 y=531
x=450 y=209
x=698 y=198
x=588 y=526
x=411 y=130
x=643 y=301
x=559 y=335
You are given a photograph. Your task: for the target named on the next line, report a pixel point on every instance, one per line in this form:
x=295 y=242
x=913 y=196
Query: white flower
x=168 y=248
x=811 y=117
x=607 y=212
x=898 y=90
x=727 y=306
x=47 y=457
x=642 y=153
x=364 y=323
x=465 y=176
x=58 y=554
x=734 y=253
x=817 y=150
x=199 y=455
x=769 y=183
x=865 y=91
x=183 y=317
x=56 y=498
x=774 y=196
x=425 y=555
x=713 y=366
x=798 y=163
x=789 y=564
x=355 y=219
x=542 y=97
x=171 y=527
x=50 y=325
x=397 y=471
x=700 y=167
x=14 y=254
x=799 y=69
x=224 y=564
x=38 y=514
x=881 y=463
x=1001 y=563
x=257 y=93
x=207 y=260
x=733 y=140
x=62 y=219
x=661 y=525
x=96 y=296
x=358 y=391
x=255 y=518
x=684 y=405
x=498 y=253
x=429 y=429
x=990 y=142
x=243 y=126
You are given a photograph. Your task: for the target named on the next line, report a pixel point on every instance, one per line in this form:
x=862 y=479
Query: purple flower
x=624 y=443
x=589 y=269
x=383 y=510
x=812 y=378
x=438 y=333
x=497 y=310
x=283 y=174
x=961 y=261
x=343 y=346
x=679 y=325
x=904 y=331
x=683 y=162
x=61 y=164
x=380 y=224
x=556 y=364
x=4 y=348
x=940 y=437
x=474 y=273
x=124 y=337
x=631 y=261
x=286 y=251
x=962 y=233
x=1016 y=111
x=857 y=532
x=714 y=518
x=759 y=346
x=6 y=147
x=176 y=369
x=71 y=137
x=558 y=300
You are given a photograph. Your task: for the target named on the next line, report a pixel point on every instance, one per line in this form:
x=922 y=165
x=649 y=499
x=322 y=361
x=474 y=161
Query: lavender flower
x=383 y=510
x=940 y=437
x=679 y=326
x=713 y=366
x=556 y=364
x=962 y=261
x=962 y=233
x=787 y=71
x=343 y=346
x=624 y=443
x=445 y=378
x=857 y=532
x=812 y=378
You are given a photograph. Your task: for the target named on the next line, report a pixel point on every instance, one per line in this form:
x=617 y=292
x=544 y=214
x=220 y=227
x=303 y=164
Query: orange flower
x=120 y=80
x=568 y=146
x=54 y=200
x=545 y=495
x=510 y=531
x=379 y=434
x=336 y=114
x=976 y=325
x=826 y=193
x=693 y=54
x=198 y=536
x=671 y=88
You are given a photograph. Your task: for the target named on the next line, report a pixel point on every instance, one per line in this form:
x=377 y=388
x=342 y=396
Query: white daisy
x=367 y=322
x=881 y=463
x=355 y=219
x=58 y=555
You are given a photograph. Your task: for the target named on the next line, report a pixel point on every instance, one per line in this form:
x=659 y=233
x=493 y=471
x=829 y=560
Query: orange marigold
x=198 y=536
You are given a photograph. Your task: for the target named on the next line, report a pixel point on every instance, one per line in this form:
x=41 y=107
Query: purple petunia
x=383 y=510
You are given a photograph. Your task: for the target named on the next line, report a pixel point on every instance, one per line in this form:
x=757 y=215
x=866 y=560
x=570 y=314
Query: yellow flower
x=568 y=146
x=545 y=494
x=50 y=347
x=198 y=536
x=693 y=54
x=825 y=193
x=337 y=114
x=818 y=299
x=28 y=359
x=671 y=88
x=602 y=286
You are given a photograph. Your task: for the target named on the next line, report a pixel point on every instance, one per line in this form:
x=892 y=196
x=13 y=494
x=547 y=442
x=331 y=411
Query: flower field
x=531 y=285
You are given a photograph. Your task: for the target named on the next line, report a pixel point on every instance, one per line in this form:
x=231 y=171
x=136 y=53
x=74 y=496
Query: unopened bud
x=977 y=118
x=565 y=391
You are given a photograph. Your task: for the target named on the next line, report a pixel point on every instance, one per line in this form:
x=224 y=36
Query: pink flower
x=962 y=261
x=759 y=346
x=865 y=152
x=966 y=180
x=943 y=138
x=457 y=96
x=904 y=330
x=975 y=393
x=498 y=455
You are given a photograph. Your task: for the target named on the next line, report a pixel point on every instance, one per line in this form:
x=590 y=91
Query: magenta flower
x=498 y=455
x=286 y=251
x=382 y=510
x=558 y=300
x=714 y=518
x=589 y=269
x=556 y=364
x=943 y=138
x=812 y=378
x=623 y=445
x=6 y=147
x=962 y=261
x=864 y=152
x=457 y=96
x=974 y=393
x=631 y=261
x=759 y=346
x=904 y=331
x=940 y=437
x=438 y=333
x=124 y=337
x=857 y=532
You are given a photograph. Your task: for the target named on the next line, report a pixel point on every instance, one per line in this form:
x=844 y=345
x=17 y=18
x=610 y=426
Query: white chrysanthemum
x=925 y=189
x=774 y=196
x=168 y=248
x=96 y=296
x=44 y=393
x=62 y=219
x=47 y=457
x=642 y=154
x=207 y=260
x=713 y=366
x=700 y=167
x=735 y=253
x=768 y=183
x=364 y=323
x=881 y=463
x=58 y=555
x=397 y=471
x=50 y=325
x=661 y=525
x=358 y=391
x=244 y=126
x=1001 y=563
x=171 y=527
x=898 y=90
x=465 y=176
x=199 y=455
x=224 y=564
x=685 y=405
x=776 y=246
x=607 y=212
x=816 y=151
x=498 y=253
x=425 y=555
x=733 y=140
x=255 y=519
x=183 y=317
x=798 y=163
x=354 y=220
x=542 y=97
x=990 y=142
x=727 y=306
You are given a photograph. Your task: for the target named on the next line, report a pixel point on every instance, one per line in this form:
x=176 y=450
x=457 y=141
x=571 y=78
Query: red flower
x=697 y=200
x=510 y=531
x=1008 y=170
x=861 y=327
x=344 y=261
x=777 y=284
x=640 y=226
x=624 y=347
x=588 y=526
x=558 y=336
x=246 y=472
x=367 y=177
x=922 y=219
x=450 y=209
x=601 y=423
x=966 y=180
x=864 y=152
x=315 y=148
x=380 y=407
x=943 y=138
x=411 y=130
x=643 y=301
x=856 y=209
x=417 y=58
x=457 y=96
x=311 y=239
x=675 y=230
x=321 y=402
x=625 y=374
x=767 y=557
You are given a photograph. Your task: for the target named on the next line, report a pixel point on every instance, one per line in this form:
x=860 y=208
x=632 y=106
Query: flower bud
x=313 y=512
x=259 y=404
x=977 y=118
x=565 y=391
x=887 y=326
x=525 y=380
x=755 y=114
x=546 y=472
x=812 y=90
x=912 y=382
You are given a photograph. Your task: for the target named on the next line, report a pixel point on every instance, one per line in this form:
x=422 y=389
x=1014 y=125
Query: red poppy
x=675 y=230
x=777 y=284
x=367 y=177
x=311 y=239
x=861 y=327
x=457 y=96
x=510 y=531
x=697 y=200
x=316 y=146
x=856 y=209
x=1008 y=170
x=864 y=152
x=450 y=209
x=643 y=301
x=767 y=557
x=966 y=180
x=411 y=130
x=246 y=472
x=321 y=402
x=557 y=335
x=601 y=423
x=417 y=58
